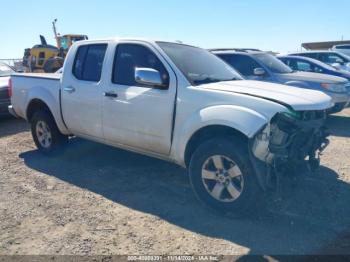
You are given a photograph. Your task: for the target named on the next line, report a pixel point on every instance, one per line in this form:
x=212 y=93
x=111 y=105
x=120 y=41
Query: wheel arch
x=35 y=105
x=209 y=132
x=222 y=119
x=47 y=94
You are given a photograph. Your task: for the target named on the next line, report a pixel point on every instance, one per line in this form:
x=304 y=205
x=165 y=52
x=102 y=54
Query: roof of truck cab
x=117 y=39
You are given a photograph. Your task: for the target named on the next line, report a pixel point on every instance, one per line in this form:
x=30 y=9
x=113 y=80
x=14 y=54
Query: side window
x=243 y=64
x=79 y=62
x=330 y=58
x=291 y=63
x=318 y=69
x=88 y=62
x=304 y=66
x=130 y=56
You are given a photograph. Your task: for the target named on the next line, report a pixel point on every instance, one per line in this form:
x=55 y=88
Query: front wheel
x=222 y=177
x=46 y=135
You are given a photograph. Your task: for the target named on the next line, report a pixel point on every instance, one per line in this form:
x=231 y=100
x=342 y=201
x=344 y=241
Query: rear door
x=139 y=116
x=82 y=92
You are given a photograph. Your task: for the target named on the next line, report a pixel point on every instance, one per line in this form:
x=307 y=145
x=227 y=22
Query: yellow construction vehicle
x=48 y=58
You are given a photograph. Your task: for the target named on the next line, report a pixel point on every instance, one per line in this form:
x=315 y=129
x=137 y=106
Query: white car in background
x=344 y=49
x=333 y=58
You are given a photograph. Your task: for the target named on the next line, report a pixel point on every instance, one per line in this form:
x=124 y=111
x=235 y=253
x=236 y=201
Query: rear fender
x=52 y=102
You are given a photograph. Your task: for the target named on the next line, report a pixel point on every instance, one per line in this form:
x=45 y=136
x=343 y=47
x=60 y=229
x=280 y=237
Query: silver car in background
x=332 y=58
x=5 y=73
x=263 y=66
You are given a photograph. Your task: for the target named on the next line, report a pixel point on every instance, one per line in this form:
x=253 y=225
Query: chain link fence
x=16 y=63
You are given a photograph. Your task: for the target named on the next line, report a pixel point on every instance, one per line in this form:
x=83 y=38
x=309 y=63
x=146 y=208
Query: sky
x=271 y=25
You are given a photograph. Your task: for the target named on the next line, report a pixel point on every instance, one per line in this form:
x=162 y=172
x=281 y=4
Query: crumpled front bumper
x=287 y=142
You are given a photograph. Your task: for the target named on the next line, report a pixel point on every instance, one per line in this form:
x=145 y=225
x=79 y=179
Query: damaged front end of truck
x=291 y=141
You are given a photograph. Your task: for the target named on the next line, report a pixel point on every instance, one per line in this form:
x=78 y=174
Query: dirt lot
x=94 y=199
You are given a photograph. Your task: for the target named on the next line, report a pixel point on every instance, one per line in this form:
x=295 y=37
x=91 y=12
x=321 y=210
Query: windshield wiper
x=206 y=80
x=209 y=80
x=232 y=79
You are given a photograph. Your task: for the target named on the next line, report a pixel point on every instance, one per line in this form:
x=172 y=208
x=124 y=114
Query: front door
x=136 y=115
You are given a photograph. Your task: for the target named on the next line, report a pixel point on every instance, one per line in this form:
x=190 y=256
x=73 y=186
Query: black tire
x=57 y=140
x=236 y=151
x=53 y=64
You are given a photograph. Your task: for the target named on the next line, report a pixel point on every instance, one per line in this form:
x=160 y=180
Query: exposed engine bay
x=292 y=139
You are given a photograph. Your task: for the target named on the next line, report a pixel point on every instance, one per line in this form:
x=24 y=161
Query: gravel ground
x=98 y=200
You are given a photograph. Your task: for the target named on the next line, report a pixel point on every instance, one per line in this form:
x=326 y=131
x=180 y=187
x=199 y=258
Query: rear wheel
x=46 y=135
x=222 y=178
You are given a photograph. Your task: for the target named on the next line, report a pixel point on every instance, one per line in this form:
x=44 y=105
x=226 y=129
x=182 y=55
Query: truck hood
x=313 y=77
x=299 y=99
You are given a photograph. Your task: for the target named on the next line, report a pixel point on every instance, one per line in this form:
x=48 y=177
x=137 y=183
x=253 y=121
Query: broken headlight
x=337 y=88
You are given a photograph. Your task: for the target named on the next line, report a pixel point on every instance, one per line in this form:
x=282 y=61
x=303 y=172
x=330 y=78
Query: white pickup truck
x=179 y=103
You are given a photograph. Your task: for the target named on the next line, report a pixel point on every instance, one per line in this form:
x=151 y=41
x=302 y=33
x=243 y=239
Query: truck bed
x=51 y=76
x=26 y=87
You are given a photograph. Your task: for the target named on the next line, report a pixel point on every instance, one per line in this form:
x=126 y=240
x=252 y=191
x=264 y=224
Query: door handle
x=69 y=89
x=110 y=94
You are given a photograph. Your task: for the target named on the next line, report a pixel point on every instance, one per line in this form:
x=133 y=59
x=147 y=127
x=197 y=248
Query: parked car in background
x=182 y=104
x=5 y=72
x=305 y=64
x=332 y=58
x=344 y=49
x=266 y=67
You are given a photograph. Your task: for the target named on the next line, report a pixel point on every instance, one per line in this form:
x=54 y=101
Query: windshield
x=64 y=42
x=199 y=65
x=5 y=70
x=273 y=64
x=320 y=64
x=345 y=57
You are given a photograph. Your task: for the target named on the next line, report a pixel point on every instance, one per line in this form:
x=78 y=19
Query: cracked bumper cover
x=288 y=141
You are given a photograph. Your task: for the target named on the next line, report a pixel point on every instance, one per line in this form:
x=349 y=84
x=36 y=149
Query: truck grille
x=313 y=115
x=348 y=88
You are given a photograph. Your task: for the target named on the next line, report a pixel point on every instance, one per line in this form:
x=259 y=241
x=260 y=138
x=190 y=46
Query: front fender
x=242 y=119
x=52 y=102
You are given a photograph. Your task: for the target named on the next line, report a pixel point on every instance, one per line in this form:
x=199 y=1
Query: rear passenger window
x=130 y=56
x=304 y=66
x=88 y=62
